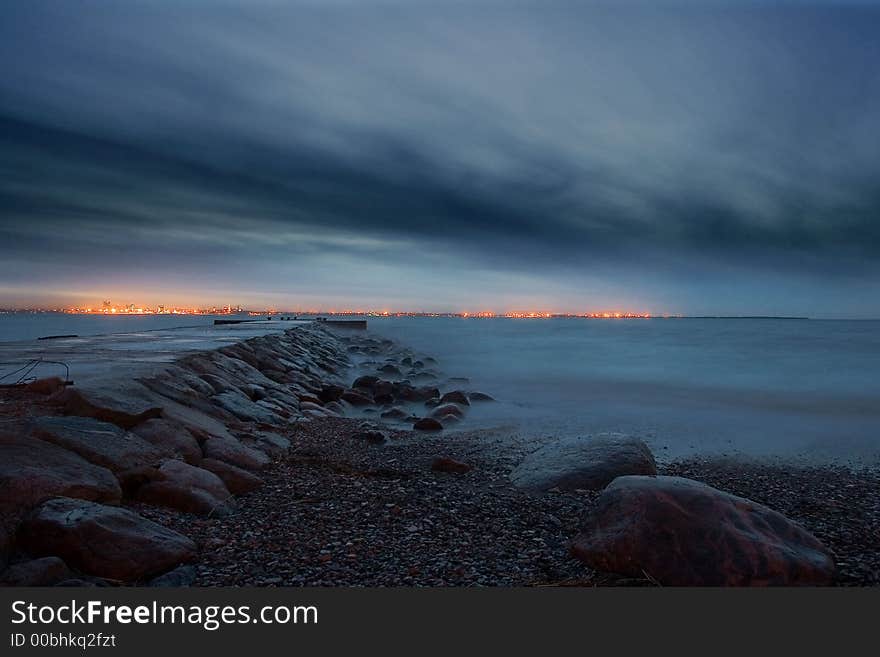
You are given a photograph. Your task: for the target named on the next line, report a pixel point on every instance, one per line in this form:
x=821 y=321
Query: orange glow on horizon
x=108 y=308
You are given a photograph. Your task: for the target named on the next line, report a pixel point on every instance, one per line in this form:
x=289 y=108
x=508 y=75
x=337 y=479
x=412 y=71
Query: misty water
x=797 y=389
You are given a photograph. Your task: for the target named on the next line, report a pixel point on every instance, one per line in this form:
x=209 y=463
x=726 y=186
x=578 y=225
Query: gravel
x=338 y=511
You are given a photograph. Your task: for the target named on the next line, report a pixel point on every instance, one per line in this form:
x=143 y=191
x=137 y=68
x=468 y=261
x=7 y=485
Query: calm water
x=790 y=388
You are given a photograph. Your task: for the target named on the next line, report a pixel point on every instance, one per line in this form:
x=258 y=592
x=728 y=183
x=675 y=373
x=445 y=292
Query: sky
x=683 y=157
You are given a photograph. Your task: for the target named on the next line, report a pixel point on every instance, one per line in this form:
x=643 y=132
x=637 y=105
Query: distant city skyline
x=699 y=158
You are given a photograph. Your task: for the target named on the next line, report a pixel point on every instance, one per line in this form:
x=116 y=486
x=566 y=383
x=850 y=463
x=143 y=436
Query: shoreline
x=348 y=501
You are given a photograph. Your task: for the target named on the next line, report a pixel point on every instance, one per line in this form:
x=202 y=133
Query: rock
x=170 y=438
x=370 y=436
x=393 y=414
x=237 y=480
x=422 y=393
x=46 y=571
x=241 y=406
x=331 y=393
x=447 y=409
x=105 y=541
x=366 y=381
x=187 y=488
x=72 y=401
x=254 y=391
x=179 y=577
x=448 y=419
x=48 y=386
x=232 y=451
x=427 y=424
x=98 y=442
x=455 y=397
x=311 y=406
x=445 y=464
x=356 y=398
x=218 y=384
x=335 y=407
x=32 y=471
x=390 y=369
x=584 y=463
x=431 y=403
x=268 y=442
x=132 y=480
x=480 y=396
x=681 y=532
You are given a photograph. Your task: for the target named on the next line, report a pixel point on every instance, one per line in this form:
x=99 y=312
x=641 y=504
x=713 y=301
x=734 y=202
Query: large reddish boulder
x=105 y=541
x=681 y=532
x=170 y=438
x=98 y=442
x=584 y=463
x=187 y=488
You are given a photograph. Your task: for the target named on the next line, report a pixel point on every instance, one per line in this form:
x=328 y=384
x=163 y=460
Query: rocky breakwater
x=190 y=436
x=671 y=530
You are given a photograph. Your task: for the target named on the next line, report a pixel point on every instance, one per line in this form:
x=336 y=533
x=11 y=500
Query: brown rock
x=365 y=382
x=446 y=464
x=237 y=480
x=73 y=402
x=36 y=572
x=427 y=424
x=331 y=393
x=455 y=397
x=98 y=442
x=170 y=438
x=32 y=471
x=356 y=398
x=230 y=450
x=187 y=488
x=105 y=541
x=480 y=396
x=681 y=532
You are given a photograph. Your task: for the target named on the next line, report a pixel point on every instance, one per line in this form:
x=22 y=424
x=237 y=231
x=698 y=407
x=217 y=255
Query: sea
x=792 y=389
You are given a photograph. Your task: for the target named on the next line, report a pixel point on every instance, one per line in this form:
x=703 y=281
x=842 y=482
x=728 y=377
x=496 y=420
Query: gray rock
x=237 y=403
x=584 y=463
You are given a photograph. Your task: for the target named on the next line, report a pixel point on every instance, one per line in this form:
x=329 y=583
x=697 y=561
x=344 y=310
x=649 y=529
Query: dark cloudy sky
x=708 y=157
